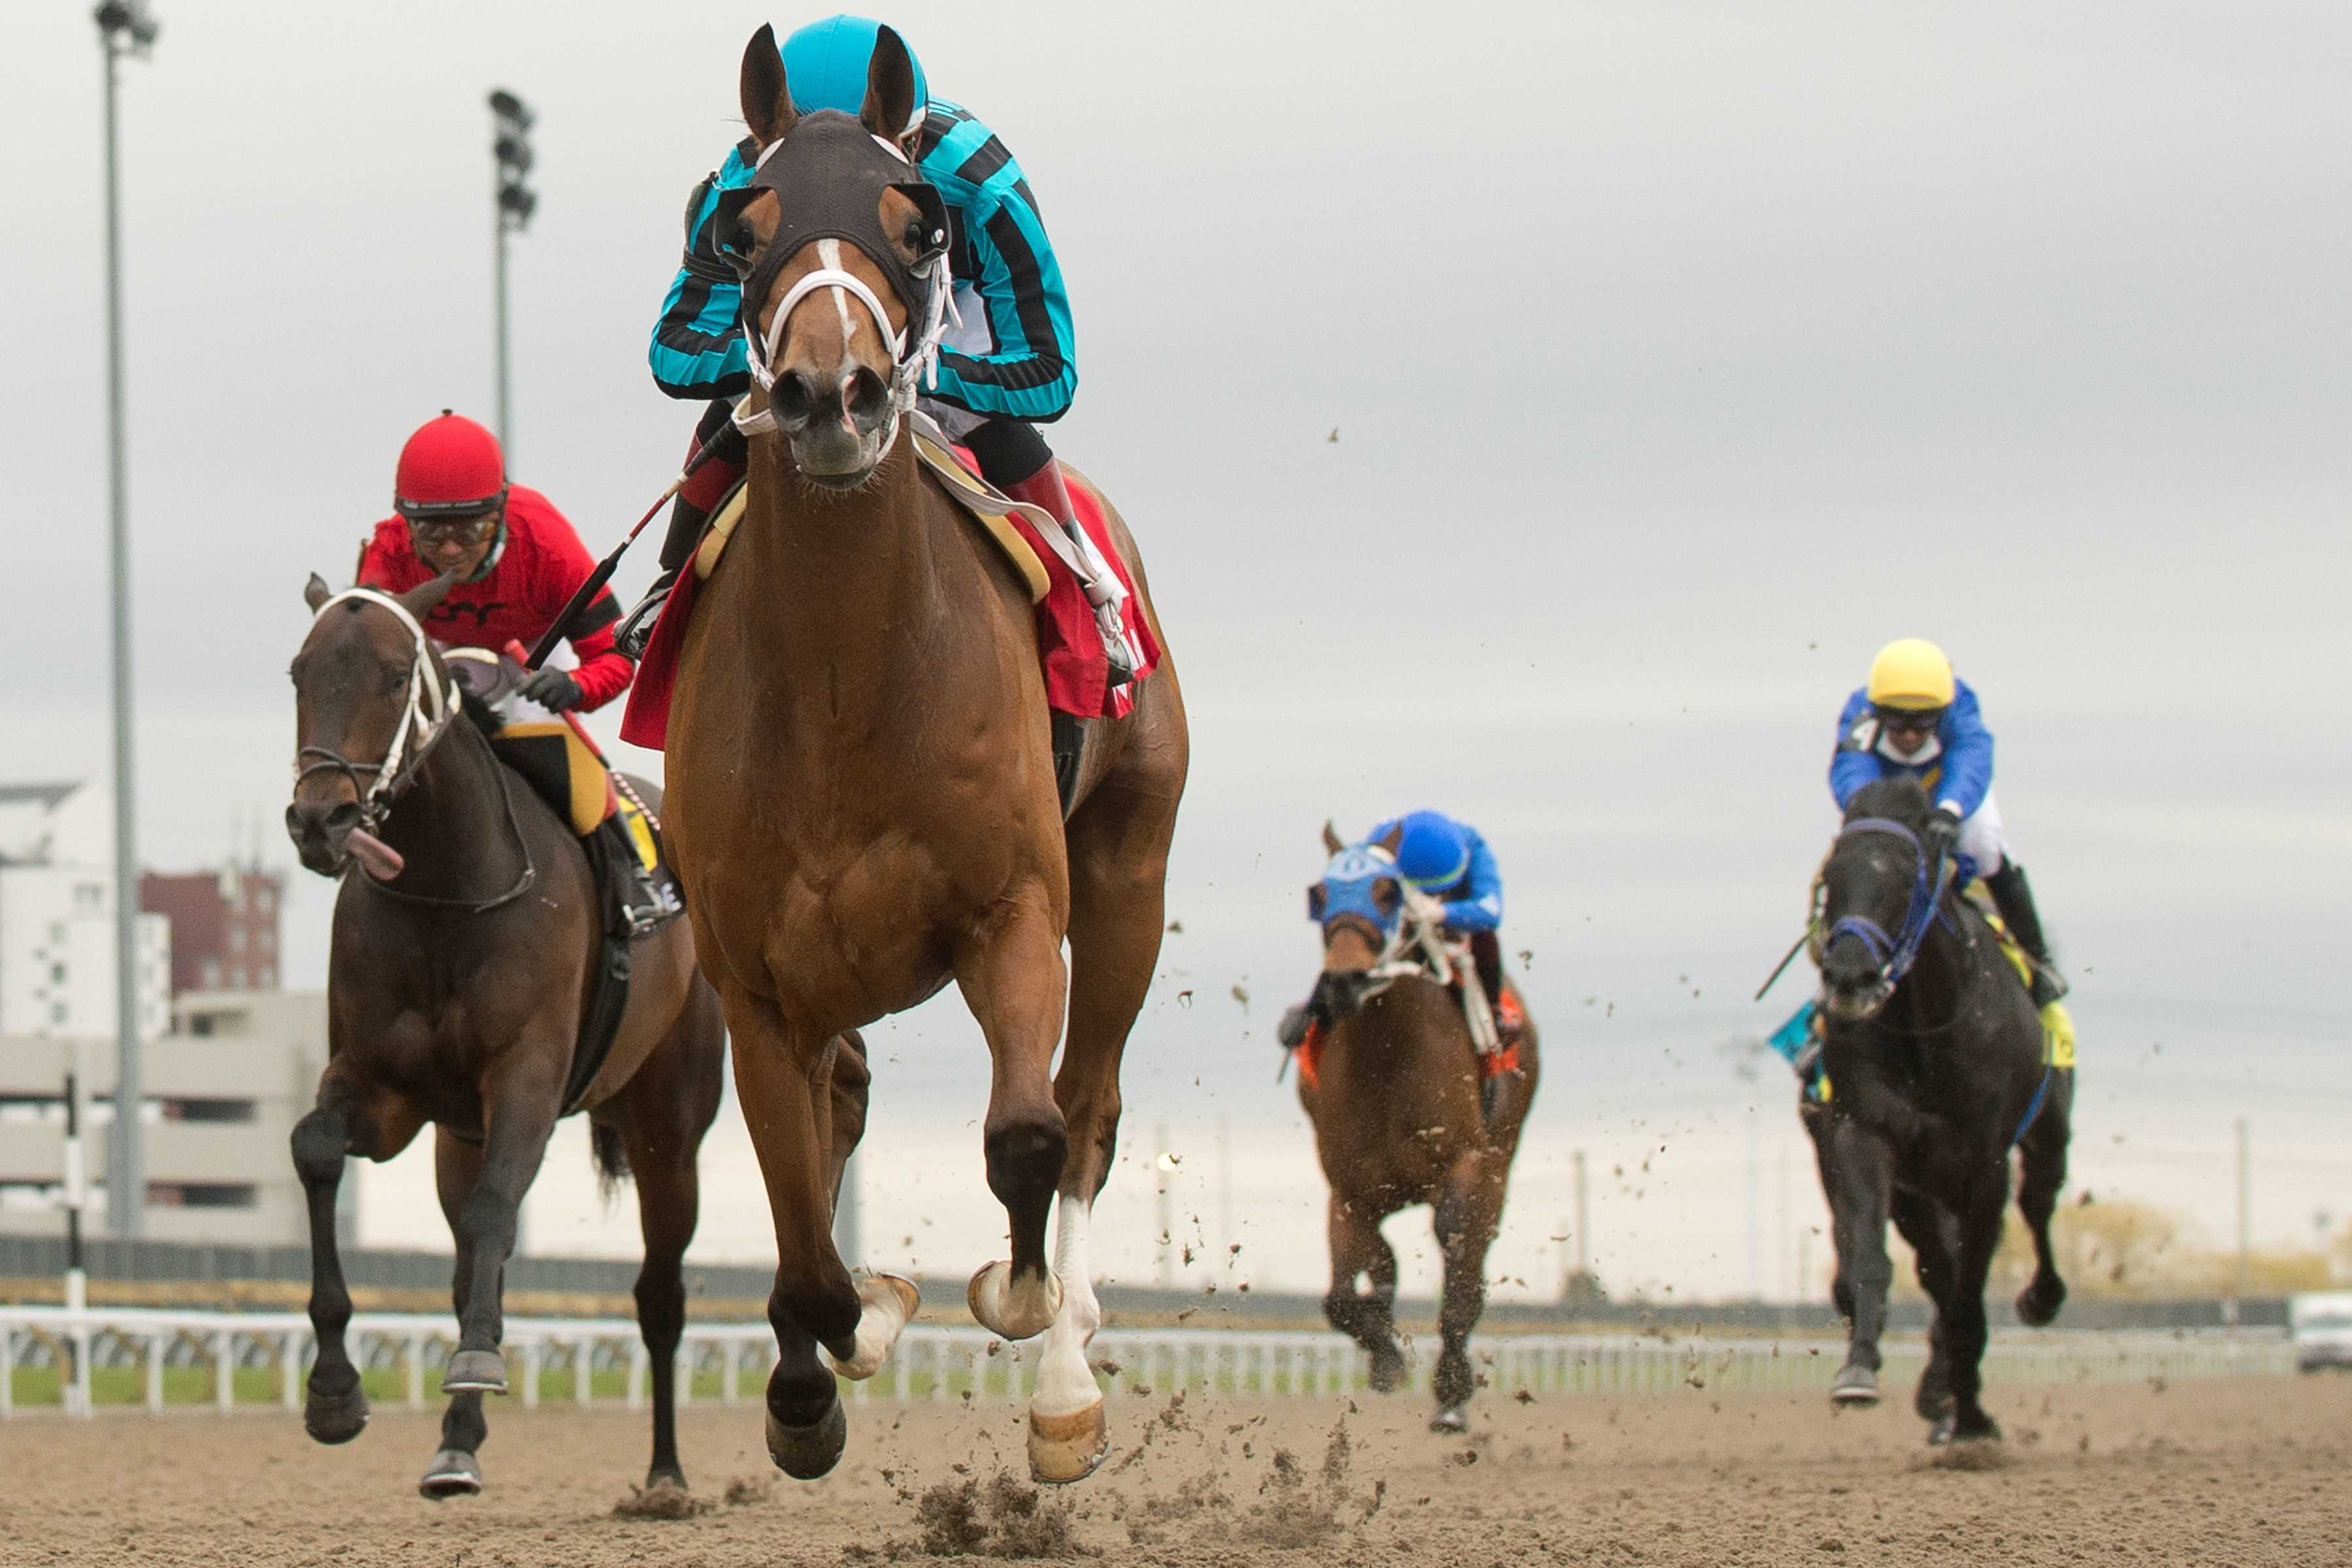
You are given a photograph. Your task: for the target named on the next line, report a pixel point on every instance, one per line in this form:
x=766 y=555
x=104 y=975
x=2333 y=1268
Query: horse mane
x=485 y=718
x=1899 y=799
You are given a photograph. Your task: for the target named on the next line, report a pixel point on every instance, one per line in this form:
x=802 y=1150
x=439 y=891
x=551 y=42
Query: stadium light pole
x=124 y=27
x=511 y=206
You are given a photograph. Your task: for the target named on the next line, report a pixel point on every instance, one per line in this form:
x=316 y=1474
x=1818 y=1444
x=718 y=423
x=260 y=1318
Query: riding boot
x=2014 y=900
x=1045 y=490
x=704 y=488
x=645 y=902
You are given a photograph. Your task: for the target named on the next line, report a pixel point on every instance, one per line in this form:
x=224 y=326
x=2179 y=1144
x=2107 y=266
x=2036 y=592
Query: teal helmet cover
x=825 y=64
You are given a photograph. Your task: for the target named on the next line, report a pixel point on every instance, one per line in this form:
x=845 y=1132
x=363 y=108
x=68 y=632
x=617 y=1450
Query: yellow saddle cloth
x=2057 y=1024
x=568 y=776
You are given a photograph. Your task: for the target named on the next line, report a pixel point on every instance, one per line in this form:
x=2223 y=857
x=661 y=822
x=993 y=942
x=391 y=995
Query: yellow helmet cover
x=1912 y=673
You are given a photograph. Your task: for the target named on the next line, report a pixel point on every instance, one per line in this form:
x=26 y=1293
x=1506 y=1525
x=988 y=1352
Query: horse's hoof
x=1450 y=1422
x=806 y=1453
x=889 y=1304
x=475 y=1371
x=1065 y=1448
x=451 y=1474
x=2038 y=1304
x=335 y=1417
x=1008 y=1313
x=1388 y=1373
x=1980 y=1429
x=1855 y=1385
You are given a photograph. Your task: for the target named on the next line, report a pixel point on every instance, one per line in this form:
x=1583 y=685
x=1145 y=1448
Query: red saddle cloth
x=1069 y=644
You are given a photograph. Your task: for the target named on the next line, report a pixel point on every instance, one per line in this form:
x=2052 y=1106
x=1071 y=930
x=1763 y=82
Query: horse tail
x=611 y=1159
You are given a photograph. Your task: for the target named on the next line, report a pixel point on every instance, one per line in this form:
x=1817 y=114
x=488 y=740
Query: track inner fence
x=134 y=1358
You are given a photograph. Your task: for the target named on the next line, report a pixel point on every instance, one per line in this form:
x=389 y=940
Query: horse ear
x=315 y=592
x=889 y=88
x=1331 y=845
x=1392 y=839
x=425 y=595
x=767 y=102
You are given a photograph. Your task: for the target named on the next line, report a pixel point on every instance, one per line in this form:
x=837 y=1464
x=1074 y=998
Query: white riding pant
x=1981 y=839
x=972 y=335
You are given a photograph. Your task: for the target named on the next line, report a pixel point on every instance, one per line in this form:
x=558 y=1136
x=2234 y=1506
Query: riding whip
x=560 y=626
x=1782 y=968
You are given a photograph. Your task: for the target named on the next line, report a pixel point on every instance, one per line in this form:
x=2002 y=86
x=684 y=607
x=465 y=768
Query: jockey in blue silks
x=1914 y=719
x=1011 y=366
x=1448 y=863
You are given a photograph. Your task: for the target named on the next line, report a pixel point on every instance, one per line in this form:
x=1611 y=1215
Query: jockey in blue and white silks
x=1011 y=366
x=1448 y=863
x=1914 y=719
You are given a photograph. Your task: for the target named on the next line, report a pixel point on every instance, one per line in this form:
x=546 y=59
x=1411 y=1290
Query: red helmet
x=450 y=467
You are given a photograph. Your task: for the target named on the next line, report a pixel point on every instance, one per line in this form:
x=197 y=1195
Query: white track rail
x=566 y=1359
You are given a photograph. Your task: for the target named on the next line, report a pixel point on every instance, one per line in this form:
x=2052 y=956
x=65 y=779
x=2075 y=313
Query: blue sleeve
x=1967 y=753
x=698 y=344
x=1032 y=372
x=1480 y=907
x=1851 y=766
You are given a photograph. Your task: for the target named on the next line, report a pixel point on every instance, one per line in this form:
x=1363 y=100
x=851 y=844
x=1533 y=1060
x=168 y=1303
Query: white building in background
x=56 y=920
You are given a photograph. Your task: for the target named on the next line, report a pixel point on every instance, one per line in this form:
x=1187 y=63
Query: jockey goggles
x=470 y=529
x=1909 y=721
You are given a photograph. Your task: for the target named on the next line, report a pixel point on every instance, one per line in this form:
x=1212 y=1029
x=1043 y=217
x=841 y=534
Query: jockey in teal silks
x=1448 y=865
x=1011 y=366
x=1914 y=719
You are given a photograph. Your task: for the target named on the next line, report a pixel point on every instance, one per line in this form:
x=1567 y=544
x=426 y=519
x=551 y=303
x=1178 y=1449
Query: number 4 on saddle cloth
x=1079 y=596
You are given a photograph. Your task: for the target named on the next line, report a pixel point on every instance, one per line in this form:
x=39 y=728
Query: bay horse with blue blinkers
x=1390 y=1080
x=864 y=802
x=1938 y=1066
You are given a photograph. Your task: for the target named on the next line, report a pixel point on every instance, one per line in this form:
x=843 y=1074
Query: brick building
x=223 y=927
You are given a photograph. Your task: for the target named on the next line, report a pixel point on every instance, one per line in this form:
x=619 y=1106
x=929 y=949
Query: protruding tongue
x=376 y=858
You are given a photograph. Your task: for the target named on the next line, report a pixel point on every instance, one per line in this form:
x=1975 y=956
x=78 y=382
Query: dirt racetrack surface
x=2238 y=1472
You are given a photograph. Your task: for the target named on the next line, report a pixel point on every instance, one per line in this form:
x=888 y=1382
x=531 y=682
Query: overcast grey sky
x=1679 y=357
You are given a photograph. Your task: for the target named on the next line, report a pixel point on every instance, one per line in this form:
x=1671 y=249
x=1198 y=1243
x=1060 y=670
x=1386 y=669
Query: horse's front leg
x=805 y=1105
x=1011 y=978
x=2042 y=1171
x=519 y=1108
x=1860 y=1167
x=346 y=1120
x=1358 y=1248
x=456 y=1470
x=1934 y=1241
x=1468 y=1215
x=1964 y=1326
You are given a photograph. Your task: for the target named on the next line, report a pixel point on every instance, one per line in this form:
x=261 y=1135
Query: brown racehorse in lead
x=1391 y=1078
x=460 y=970
x=864 y=805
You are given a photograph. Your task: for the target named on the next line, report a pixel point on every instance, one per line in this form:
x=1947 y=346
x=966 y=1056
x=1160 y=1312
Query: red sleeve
x=389 y=562
x=563 y=563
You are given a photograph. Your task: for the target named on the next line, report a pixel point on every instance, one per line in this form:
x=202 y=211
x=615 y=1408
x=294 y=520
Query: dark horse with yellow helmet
x=1938 y=1068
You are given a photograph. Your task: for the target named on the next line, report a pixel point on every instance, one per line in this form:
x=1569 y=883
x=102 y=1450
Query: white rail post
x=225 y=1385
x=290 y=1360
x=7 y=1371
x=681 y=1363
x=639 y=1361
x=532 y=1354
x=155 y=1344
x=583 y=1359
x=416 y=1359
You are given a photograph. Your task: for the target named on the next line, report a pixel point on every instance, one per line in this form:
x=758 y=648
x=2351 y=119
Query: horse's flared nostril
x=794 y=399
x=865 y=398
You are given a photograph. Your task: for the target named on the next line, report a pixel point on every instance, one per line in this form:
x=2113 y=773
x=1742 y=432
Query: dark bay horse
x=1938 y=1066
x=460 y=964
x=862 y=791
x=1393 y=1092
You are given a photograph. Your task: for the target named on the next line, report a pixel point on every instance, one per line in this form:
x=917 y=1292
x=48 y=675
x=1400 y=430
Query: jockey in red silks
x=516 y=560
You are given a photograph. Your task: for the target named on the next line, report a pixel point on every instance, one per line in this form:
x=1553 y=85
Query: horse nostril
x=863 y=395
x=793 y=398
x=344 y=817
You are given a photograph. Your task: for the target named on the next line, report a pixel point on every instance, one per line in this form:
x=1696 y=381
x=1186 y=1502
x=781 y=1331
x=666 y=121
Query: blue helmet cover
x=826 y=65
x=1350 y=885
x=1433 y=852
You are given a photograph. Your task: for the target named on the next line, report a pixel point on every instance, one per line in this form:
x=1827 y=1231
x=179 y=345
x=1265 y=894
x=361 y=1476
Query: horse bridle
x=424 y=717
x=423 y=720
x=1895 y=953
x=914 y=356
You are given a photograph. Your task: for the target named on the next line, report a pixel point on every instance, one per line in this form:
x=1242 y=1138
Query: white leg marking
x=889 y=1302
x=1065 y=1383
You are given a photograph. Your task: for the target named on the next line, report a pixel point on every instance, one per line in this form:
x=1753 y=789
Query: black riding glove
x=1943 y=831
x=553 y=690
